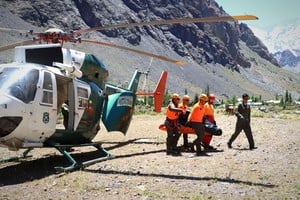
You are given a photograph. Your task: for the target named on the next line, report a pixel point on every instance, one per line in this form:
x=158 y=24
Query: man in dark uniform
x=243 y=123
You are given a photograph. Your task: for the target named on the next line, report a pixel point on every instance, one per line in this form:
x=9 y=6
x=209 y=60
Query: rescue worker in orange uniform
x=209 y=116
x=171 y=124
x=195 y=120
x=183 y=118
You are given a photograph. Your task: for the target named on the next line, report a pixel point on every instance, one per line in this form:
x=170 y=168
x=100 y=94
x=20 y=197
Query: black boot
x=176 y=151
x=169 y=150
x=198 y=150
x=229 y=145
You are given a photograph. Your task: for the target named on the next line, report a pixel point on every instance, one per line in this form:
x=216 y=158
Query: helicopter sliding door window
x=47 y=98
x=83 y=95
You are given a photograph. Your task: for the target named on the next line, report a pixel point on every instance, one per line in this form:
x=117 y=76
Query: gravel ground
x=142 y=170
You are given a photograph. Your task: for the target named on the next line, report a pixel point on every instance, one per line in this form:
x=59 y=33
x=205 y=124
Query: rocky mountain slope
x=287 y=58
x=224 y=56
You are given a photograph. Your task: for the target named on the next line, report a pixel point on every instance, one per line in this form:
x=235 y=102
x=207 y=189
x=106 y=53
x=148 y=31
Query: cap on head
x=245 y=95
x=212 y=97
x=203 y=97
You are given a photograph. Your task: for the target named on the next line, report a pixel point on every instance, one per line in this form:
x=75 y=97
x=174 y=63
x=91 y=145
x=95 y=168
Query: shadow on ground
x=29 y=170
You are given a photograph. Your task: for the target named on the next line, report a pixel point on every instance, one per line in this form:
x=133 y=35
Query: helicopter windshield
x=19 y=82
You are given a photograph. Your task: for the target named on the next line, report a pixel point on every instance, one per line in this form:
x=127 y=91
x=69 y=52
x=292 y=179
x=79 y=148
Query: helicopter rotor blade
x=172 y=21
x=21 y=43
x=135 y=51
x=11 y=30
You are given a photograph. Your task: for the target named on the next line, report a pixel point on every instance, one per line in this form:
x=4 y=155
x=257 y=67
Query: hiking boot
x=201 y=153
x=229 y=145
x=252 y=148
x=208 y=147
x=176 y=153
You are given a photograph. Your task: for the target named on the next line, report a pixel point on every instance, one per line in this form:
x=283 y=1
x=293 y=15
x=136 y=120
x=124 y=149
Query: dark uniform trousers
x=199 y=130
x=173 y=135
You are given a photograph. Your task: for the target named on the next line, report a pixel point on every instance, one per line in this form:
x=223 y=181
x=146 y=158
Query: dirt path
x=142 y=170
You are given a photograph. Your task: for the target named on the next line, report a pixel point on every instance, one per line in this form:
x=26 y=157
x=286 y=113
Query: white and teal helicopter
x=47 y=78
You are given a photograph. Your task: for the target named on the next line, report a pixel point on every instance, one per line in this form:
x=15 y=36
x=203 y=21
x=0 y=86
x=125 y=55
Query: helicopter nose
x=8 y=121
x=8 y=125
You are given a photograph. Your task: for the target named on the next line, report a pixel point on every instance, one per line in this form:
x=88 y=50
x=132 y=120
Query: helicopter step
x=65 y=149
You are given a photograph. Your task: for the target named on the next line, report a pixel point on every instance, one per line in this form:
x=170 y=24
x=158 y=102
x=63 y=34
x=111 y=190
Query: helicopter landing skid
x=64 y=149
x=17 y=158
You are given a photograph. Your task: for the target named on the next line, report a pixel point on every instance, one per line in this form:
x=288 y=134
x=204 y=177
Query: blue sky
x=270 y=12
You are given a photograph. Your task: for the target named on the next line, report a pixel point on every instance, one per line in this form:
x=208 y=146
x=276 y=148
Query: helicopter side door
x=118 y=109
x=82 y=92
x=44 y=112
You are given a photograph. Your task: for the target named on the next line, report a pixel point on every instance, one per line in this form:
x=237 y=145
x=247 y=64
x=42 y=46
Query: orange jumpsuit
x=195 y=119
x=197 y=113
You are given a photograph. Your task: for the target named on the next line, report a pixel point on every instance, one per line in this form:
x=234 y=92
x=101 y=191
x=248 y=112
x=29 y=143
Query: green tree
x=234 y=100
x=196 y=99
x=207 y=92
x=281 y=102
x=260 y=98
x=290 y=98
x=166 y=99
x=185 y=91
x=286 y=96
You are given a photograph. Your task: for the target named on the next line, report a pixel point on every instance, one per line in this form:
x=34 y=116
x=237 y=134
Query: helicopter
x=46 y=78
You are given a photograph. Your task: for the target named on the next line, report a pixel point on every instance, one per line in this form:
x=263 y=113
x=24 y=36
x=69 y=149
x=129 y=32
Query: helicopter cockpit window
x=83 y=96
x=47 y=89
x=19 y=83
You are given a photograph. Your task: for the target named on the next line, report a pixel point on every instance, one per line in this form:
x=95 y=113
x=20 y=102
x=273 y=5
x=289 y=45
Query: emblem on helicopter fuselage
x=125 y=101
x=45 y=117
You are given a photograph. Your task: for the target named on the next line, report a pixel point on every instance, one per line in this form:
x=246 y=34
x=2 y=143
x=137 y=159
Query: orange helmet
x=203 y=97
x=212 y=97
x=186 y=97
x=175 y=96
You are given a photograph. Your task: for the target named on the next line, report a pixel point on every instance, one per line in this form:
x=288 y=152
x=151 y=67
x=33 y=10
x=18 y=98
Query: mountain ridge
x=207 y=49
x=283 y=43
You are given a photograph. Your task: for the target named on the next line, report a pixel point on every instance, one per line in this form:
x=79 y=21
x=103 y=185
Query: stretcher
x=208 y=126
